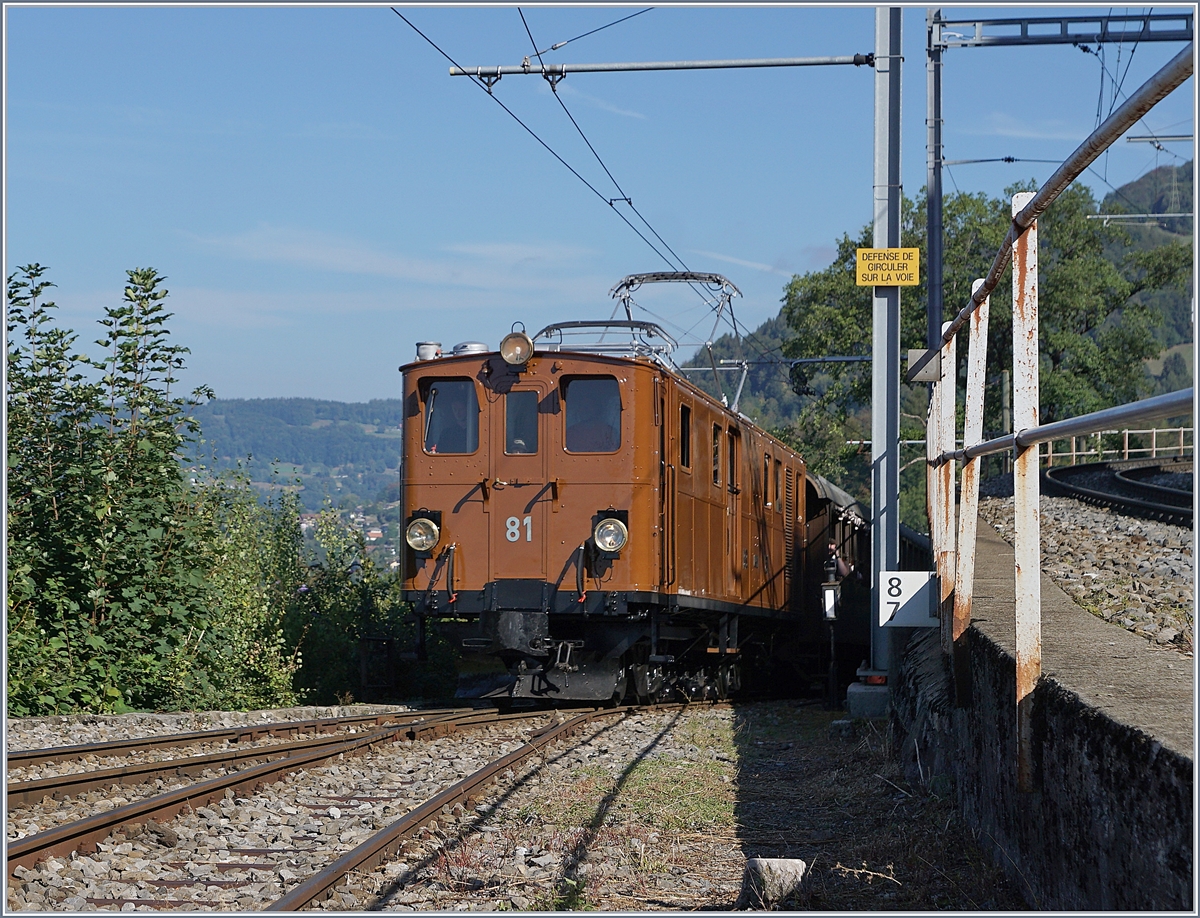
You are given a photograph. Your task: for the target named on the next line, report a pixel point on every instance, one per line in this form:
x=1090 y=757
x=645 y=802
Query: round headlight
x=422 y=534
x=516 y=349
x=610 y=535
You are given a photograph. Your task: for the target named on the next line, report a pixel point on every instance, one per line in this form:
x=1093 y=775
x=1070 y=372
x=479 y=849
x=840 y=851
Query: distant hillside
x=346 y=452
x=1166 y=190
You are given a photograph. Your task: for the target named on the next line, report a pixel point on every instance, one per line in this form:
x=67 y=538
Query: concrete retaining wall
x=1110 y=825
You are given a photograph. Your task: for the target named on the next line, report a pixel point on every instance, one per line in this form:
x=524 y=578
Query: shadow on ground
x=841 y=804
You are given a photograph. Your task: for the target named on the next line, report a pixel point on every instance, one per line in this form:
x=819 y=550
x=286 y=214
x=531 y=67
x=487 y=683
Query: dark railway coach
x=603 y=529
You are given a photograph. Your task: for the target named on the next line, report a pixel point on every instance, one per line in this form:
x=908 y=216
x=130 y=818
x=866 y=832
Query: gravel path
x=1133 y=572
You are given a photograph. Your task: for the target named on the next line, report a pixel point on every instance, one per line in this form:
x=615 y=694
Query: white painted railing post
x=946 y=394
x=968 y=507
x=1026 y=488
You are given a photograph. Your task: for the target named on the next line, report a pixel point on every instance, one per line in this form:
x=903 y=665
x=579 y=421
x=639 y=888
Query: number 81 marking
x=512 y=528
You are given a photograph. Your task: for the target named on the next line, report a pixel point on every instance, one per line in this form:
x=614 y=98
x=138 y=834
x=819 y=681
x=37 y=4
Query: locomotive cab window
x=520 y=423
x=451 y=416
x=593 y=414
x=685 y=436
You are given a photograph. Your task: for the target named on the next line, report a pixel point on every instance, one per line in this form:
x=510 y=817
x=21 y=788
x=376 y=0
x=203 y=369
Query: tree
x=1095 y=328
x=121 y=589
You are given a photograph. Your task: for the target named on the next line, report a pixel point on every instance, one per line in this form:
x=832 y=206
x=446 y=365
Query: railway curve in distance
x=1158 y=489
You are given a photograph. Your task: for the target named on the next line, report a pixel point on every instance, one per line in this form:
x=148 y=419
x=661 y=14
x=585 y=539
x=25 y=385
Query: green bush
x=135 y=582
x=126 y=588
x=347 y=600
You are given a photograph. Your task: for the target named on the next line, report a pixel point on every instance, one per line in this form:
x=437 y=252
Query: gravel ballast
x=653 y=811
x=1133 y=572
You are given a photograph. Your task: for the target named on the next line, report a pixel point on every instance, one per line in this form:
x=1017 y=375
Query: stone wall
x=1109 y=826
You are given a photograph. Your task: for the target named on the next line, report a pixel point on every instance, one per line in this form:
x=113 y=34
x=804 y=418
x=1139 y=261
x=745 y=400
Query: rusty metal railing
x=1153 y=91
x=955 y=568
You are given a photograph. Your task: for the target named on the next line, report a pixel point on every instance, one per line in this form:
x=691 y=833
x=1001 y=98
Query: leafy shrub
x=123 y=588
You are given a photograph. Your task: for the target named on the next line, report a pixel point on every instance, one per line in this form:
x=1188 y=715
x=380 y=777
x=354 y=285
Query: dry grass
x=870 y=840
x=673 y=832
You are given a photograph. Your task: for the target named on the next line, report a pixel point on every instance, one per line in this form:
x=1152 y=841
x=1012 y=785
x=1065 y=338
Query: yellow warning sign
x=886 y=268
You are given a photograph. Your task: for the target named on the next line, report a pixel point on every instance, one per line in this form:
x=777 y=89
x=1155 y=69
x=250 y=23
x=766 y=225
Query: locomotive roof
x=827 y=490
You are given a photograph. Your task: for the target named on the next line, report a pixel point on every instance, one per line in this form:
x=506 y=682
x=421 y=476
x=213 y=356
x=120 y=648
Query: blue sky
x=322 y=194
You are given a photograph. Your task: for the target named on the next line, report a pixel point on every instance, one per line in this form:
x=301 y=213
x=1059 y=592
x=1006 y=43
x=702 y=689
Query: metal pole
x=1026 y=488
x=561 y=70
x=933 y=179
x=885 y=327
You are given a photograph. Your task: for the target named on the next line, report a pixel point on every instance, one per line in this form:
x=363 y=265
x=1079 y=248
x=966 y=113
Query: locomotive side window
x=685 y=436
x=520 y=422
x=593 y=414
x=778 y=490
x=451 y=417
x=716 y=454
x=732 y=476
x=766 y=481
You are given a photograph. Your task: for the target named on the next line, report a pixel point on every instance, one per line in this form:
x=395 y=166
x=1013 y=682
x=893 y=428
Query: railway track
x=24 y=758
x=246 y=770
x=294 y=863
x=1134 y=487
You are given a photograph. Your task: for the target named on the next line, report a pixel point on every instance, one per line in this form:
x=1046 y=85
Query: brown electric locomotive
x=606 y=529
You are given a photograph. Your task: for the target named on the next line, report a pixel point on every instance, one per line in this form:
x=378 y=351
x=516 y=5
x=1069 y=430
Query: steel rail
x=57 y=786
x=1153 y=91
x=383 y=844
x=85 y=833
x=1160 y=406
x=27 y=757
x=561 y=70
x=1135 y=506
x=1180 y=497
x=24 y=792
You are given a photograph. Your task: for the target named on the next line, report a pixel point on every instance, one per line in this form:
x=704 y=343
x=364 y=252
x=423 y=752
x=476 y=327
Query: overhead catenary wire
x=1086 y=49
x=563 y=44
x=731 y=319
x=624 y=197
x=534 y=135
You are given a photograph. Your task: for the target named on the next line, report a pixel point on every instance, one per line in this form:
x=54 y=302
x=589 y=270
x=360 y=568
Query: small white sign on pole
x=907 y=599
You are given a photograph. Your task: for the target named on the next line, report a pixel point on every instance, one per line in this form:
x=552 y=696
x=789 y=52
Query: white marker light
x=422 y=534
x=610 y=535
x=516 y=349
